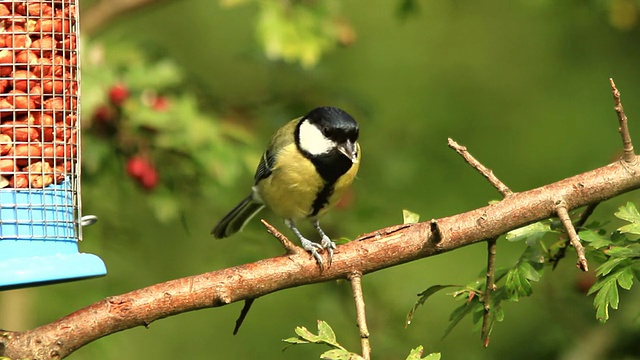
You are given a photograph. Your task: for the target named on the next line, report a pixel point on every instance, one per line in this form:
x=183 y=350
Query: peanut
x=38 y=92
x=5 y=144
x=19 y=181
x=19 y=131
x=7 y=165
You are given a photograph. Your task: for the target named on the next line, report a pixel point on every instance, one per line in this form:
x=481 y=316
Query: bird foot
x=313 y=248
x=329 y=245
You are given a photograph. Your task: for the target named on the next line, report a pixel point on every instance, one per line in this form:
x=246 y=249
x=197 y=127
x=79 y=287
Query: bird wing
x=265 y=167
x=282 y=138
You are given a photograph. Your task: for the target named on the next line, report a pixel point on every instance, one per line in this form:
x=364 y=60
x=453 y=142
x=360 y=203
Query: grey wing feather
x=265 y=167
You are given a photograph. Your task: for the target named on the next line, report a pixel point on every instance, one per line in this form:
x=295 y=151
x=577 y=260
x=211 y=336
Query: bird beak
x=350 y=150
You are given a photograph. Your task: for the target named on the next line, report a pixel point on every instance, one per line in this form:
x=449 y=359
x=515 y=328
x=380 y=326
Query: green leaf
x=340 y=354
x=297 y=32
x=423 y=297
x=531 y=232
x=295 y=340
x=623 y=251
x=625 y=278
x=594 y=239
x=606 y=296
x=433 y=356
x=305 y=334
x=629 y=213
x=518 y=281
x=608 y=266
x=416 y=354
x=409 y=217
x=607 y=288
x=326 y=334
x=460 y=313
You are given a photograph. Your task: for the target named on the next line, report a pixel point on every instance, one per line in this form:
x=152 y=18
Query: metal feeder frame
x=40 y=204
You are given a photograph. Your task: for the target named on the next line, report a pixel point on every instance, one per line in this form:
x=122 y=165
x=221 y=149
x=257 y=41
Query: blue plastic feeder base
x=39 y=239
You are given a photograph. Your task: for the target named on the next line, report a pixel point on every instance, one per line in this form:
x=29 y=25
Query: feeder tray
x=39 y=243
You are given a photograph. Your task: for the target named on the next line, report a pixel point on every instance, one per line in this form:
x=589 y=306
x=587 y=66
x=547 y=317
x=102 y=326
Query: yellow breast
x=293 y=185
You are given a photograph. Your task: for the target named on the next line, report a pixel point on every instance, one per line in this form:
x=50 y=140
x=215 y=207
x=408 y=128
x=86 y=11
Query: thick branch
x=371 y=252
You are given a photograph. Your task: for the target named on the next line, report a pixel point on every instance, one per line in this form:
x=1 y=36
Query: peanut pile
x=38 y=92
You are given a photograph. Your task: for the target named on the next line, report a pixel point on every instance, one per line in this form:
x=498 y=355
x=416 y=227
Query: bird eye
x=326 y=131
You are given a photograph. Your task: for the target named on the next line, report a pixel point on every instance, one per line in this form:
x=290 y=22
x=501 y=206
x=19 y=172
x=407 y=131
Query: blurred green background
x=523 y=84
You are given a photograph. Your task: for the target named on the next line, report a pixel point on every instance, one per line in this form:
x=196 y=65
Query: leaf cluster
x=159 y=117
x=327 y=336
x=618 y=254
x=299 y=32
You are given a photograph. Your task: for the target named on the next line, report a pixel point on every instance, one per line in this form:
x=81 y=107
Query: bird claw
x=313 y=248
x=329 y=245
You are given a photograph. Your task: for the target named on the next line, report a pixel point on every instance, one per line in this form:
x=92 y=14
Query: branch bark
x=358 y=298
x=370 y=252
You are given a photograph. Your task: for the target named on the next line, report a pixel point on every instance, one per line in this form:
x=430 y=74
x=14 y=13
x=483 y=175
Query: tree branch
x=370 y=252
x=490 y=286
x=356 y=287
x=563 y=215
x=486 y=172
x=491 y=243
x=288 y=246
x=627 y=146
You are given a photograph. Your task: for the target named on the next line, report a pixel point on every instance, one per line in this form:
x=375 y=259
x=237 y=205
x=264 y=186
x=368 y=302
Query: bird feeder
x=40 y=204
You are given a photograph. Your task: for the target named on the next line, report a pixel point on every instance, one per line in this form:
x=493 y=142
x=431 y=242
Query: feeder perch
x=40 y=205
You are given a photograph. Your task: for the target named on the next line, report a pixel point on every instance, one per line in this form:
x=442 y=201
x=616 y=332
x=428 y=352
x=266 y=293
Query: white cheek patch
x=313 y=141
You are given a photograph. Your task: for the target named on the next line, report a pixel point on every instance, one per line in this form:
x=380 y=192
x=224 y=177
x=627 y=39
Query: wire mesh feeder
x=40 y=205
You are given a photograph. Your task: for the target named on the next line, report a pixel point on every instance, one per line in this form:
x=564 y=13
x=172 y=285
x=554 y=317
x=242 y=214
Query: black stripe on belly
x=331 y=167
x=322 y=199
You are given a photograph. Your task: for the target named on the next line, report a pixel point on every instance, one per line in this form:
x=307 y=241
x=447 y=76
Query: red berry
x=103 y=114
x=137 y=166
x=118 y=94
x=161 y=104
x=149 y=179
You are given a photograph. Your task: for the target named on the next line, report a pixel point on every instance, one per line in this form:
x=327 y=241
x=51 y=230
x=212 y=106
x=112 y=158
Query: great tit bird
x=309 y=164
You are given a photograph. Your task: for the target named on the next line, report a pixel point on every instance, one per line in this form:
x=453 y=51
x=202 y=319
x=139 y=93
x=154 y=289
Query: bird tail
x=235 y=220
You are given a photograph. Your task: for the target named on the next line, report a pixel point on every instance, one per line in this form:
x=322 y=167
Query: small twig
x=356 y=287
x=490 y=286
x=586 y=214
x=563 y=215
x=588 y=211
x=629 y=156
x=486 y=172
x=290 y=247
x=243 y=314
x=491 y=242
